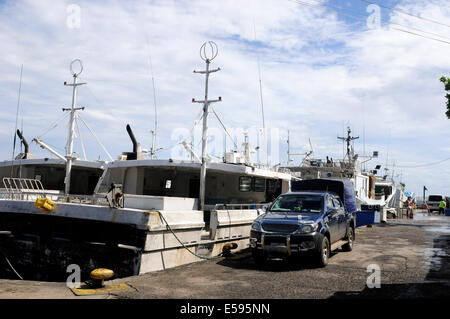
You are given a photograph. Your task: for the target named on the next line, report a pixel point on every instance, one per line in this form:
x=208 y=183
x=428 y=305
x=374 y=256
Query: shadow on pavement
x=244 y=260
x=438 y=259
x=431 y=290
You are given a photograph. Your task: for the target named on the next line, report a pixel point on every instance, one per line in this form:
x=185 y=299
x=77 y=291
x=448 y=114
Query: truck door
x=342 y=221
x=333 y=220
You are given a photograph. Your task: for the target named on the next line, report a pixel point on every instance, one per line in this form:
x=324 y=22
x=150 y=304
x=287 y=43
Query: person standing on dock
x=442 y=207
x=408 y=204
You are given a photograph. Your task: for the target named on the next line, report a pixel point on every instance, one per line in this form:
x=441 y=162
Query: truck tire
x=258 y=256
x=323 y=253
x=350 y=238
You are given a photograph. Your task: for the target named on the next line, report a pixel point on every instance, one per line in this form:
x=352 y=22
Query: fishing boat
x=144 y=214
x=372 y=192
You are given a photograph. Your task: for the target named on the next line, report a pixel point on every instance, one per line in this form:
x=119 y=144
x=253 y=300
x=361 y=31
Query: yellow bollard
x=99 y=275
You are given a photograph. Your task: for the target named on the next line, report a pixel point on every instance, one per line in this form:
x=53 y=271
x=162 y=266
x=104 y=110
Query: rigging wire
x=223 y=125
x=96 y=138
x=81 y=138
x=393 y=23
x=55 y=124
x=339 y=10
x=423 y=165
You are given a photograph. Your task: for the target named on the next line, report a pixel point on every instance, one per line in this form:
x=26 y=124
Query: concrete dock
x=412 y=255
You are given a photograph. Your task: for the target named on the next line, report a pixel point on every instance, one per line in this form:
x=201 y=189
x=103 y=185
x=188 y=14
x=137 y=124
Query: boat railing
x=16 y=187
x=31 y=189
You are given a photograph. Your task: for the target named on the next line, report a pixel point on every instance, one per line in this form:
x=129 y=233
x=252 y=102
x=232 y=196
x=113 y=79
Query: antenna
x=208 y=51
x=298 y=154
x=17 y=117
x=262 y=103
x=348 y=139
x=152 y=150
x=387 y=151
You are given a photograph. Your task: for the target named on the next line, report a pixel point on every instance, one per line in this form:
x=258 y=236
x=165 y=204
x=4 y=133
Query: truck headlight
x=308 y=228
x=256 y=226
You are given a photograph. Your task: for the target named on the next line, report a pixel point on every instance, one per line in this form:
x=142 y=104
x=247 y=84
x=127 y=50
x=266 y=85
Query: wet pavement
x=412 y=255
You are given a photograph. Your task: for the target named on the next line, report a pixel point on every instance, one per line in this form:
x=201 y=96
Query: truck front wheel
x=323 y=253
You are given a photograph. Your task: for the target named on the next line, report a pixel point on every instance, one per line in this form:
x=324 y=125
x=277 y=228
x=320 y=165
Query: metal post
x=207 y=57
x=70 y=141
x=73 y=109
x=424 y=189
x=288 y=150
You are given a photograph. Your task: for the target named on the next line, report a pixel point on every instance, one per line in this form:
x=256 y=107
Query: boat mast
x=348 y=139
x=73 y=110
x=207 y=55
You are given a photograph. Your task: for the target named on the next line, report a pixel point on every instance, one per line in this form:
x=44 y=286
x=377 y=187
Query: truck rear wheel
x=323 y=253
x=351 y=239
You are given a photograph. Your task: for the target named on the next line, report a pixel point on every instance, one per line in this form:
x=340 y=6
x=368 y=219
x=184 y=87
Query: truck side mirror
x=331 y=211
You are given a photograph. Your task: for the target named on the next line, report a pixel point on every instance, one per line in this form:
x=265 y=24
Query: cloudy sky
x=324 y=65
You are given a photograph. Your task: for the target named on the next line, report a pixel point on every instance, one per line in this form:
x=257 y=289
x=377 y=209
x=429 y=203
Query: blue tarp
x=409 y=193
x=343 y=187
x=364 y=218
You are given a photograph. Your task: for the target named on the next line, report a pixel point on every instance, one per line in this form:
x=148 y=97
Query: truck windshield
x=435 y=198
x=298 y=203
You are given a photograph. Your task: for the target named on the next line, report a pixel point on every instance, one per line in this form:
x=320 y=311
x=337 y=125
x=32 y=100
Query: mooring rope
x=184 y=246
x=10 y=265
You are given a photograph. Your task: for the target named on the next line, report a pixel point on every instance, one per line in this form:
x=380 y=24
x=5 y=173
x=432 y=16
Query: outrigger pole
x=207 y=56
x=73 y=110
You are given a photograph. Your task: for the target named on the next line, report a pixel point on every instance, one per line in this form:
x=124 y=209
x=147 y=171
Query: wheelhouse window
x=245 y=183
x=259 y=184
x=298 y=204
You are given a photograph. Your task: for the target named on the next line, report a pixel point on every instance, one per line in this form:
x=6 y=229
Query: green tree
x=446 y=82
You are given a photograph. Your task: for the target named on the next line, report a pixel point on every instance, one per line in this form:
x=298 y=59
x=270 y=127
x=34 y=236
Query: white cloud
x=319 y=72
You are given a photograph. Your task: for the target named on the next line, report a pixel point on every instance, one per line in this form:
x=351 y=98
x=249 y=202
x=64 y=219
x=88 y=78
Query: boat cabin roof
x=53 y=161
x=218 y=167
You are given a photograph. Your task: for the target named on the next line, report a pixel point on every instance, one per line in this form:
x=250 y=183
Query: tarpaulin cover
x=409 y=193
x=343 y=187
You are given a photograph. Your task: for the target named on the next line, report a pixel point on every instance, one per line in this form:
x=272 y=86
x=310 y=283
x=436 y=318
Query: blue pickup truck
x=315 y=218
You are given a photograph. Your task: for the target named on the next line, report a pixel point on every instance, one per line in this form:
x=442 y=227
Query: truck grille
x=280 y=228
x=268 y=240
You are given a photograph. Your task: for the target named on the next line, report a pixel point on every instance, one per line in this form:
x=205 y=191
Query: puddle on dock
x=438 y=229
x=437 y=257
x=434 y=258
x=423 y=216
